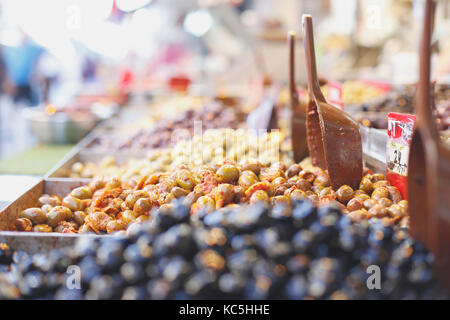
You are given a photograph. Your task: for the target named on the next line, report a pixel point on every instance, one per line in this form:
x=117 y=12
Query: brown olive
x=35 y=215
x=72 y=203
x=82 y=193
x=184 y=179
x=355 y=204
x=179 y=192
x=227 y=173
x=224 y=194
x=78 y=217
x=259 y=196
x=293 y=170
x=42 y=228
x=303 y=184
x=322 y=181
x=115 y=225
x=23 y=224
x=307 y=175
x=344 y=194
x=58 y=214
x=142 y=206
x=366 y=185
x=51 y=200
x=381 y=192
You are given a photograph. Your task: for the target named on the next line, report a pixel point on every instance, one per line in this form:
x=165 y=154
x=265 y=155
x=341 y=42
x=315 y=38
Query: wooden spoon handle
x=292 y=86
x=308 y=38
x=423 y=101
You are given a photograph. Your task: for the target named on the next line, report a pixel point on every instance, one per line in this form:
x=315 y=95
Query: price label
x=334 y=94
x=400 y=131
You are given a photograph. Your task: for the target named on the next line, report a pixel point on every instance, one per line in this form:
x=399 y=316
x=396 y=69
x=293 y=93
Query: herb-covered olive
x=36 y=215
x=98 y=220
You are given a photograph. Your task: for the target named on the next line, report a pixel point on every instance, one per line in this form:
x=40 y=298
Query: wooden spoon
x=429 y=168
x=298 y=109
x=334 y=138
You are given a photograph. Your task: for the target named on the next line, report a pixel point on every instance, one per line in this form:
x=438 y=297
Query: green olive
x=259 y=196
x=378 y=177
x=36 y=215
x=381 y=192
x=227 y=173
x=130 y=201
x=114 y=183
x=72 y=203
x=58 y=214
x=253 y=166
x=205 y=203
x=298 y=194
x=115 y=225
x=280 y=200
x=51 y=200
x=82 y=193
x=78 y=217
x=46 y=208
x=385 y=202
x=366 y=185
x=322 y=181
x=355 y=204
x=98 y=220
x=394 y=194
x=381 y=183
x=128 y=216
x=278 y=182
x=85 y=229
x=344 y=194
x=42 y=228
x=96 y=184
x=247 y=179
x=179 y=192
x=142 y=206
x=185 y=179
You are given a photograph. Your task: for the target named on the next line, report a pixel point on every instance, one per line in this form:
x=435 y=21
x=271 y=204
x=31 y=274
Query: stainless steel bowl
x=59 y=128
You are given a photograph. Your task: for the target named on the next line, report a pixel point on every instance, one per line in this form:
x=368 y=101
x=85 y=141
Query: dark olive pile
x=250 y=252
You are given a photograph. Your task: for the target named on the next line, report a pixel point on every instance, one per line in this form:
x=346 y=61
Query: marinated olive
x=307 y=175
x=366 y=185
x=381 y=192
x=58 y=214
x=280 y=199
x=184 y=179
x=46 y=208
x=259 y=196
x=247 y=179
x=369 y=203
x=303 y=184
x=85 y=229
x=114 y=183
x=385 y=202
x=35 y=215
x=381 y=183
x=255 y=166
x=115 y=225
x=179 y=192
x=23 y=224
x=51 y=200
x=362 y=197
x=204 y=203
x=322 y=181
x=298 y=194
x=78 y=217
x=96 y=184
x=344 y=194
x=355 y=204
x=394 y=194
x=377 y=211
x=42 y=228
x=142 y=218
x=224 y=194
x=72 y=203
x=227 y=173
x=192 y=197
x=98 y=220
x=128 y=216
x=142 y=206
x=377 y=177
x=293 y=170
x=278 y=182
x=82 y=193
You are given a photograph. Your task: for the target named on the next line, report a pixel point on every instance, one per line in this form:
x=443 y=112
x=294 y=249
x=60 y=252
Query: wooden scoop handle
x=313 y=81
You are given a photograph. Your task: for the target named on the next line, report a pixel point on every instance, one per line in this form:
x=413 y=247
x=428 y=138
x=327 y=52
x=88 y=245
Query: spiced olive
x=23 y=224
x=344 y=194
x=142 y=206
x=35 y=215
x=82 y=193
x=227 y=173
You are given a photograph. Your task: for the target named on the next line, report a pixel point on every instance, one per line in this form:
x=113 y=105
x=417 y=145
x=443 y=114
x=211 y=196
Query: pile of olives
x=106 y=206
x=252 y=252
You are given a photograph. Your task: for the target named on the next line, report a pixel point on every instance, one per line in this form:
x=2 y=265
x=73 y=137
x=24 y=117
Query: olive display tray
x=36 y=241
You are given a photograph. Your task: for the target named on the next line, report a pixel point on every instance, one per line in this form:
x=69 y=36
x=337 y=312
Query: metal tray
x=35 y=241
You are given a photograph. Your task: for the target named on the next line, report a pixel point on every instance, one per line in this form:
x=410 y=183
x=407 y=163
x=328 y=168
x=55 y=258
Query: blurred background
x=84 y=61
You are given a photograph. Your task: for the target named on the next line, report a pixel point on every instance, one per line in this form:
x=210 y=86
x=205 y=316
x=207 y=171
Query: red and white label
x=334 y=95
x=400 y=131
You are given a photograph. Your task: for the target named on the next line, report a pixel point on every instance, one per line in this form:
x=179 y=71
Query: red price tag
x=400 y=131
x=335 y=94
